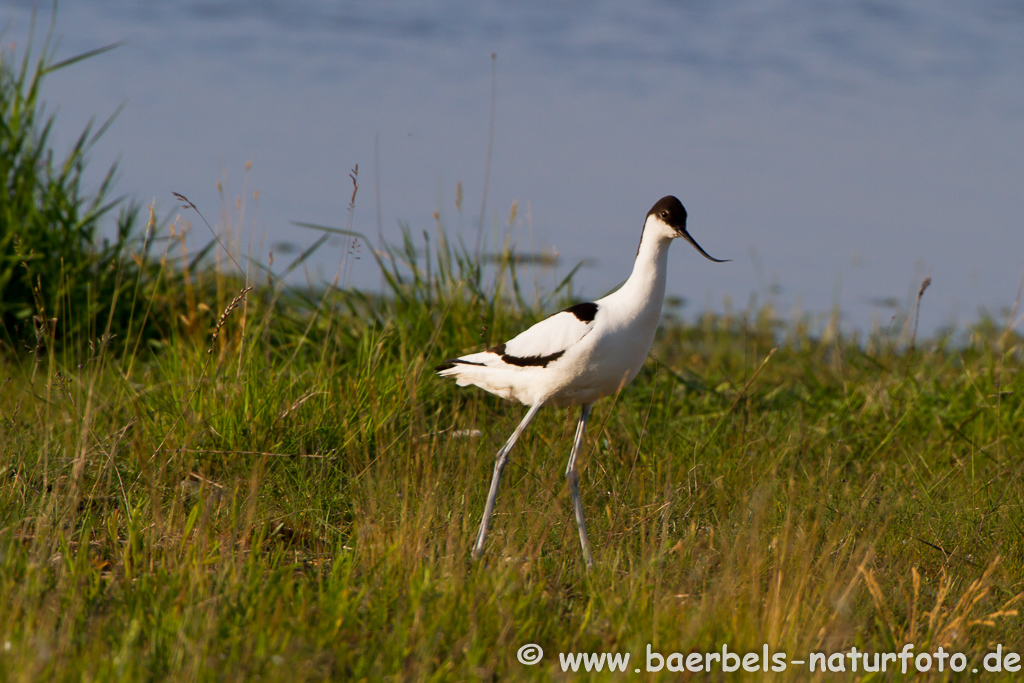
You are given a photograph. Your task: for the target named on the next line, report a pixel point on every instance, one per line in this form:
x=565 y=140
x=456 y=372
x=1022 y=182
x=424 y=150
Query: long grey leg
x=499 y=463
x=573 y=479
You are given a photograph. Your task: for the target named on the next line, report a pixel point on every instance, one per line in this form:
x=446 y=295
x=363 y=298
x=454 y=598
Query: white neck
x=645 y=288
x=650 y=268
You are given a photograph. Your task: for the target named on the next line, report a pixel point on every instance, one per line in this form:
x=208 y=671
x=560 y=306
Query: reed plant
x=53 y=261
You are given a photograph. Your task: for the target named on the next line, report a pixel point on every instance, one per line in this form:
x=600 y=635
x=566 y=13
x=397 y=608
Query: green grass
x=296 y=499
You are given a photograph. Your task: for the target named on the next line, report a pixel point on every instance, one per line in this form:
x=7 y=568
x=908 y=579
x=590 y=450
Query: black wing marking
x=526 y=361
x=540 y=345
x=451 y=363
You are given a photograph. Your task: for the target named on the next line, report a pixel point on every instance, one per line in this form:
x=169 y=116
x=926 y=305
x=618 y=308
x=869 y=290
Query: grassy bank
x=285 y=490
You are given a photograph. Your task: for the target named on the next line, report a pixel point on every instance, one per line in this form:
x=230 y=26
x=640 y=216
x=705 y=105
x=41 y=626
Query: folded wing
x=539 y=346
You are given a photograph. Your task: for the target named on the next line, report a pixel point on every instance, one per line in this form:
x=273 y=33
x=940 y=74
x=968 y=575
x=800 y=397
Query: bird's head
x=668 y=218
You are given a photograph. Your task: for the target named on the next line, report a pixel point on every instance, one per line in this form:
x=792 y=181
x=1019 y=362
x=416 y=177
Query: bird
x=579 y=355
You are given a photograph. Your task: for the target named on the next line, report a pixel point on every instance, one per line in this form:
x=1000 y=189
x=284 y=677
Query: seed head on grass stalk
x=917 y=310
x=235 y=303
x=345 y=264
x=186 y=203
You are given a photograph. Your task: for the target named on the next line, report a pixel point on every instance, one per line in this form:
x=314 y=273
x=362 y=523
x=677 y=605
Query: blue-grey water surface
x=838 y=152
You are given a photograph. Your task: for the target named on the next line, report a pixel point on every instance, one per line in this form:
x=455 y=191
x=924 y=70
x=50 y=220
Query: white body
x=599 y=356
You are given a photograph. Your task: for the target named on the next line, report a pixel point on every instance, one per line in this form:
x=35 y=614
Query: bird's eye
x=664 y=214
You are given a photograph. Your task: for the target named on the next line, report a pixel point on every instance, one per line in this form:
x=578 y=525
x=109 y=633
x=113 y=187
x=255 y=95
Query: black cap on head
x=671 y=211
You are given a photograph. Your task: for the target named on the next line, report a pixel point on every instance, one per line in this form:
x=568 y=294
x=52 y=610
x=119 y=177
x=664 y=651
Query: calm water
x=838 y=152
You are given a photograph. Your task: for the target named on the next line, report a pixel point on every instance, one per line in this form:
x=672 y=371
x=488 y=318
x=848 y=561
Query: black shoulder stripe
x=526 y=361
x=584 y=312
